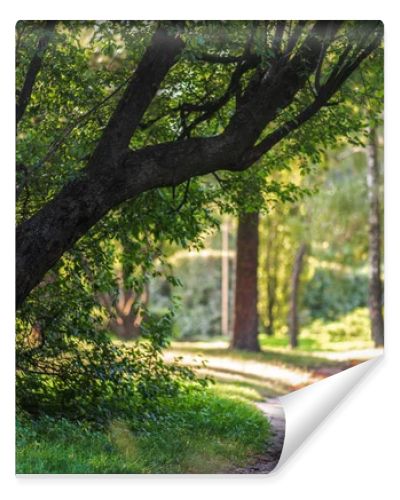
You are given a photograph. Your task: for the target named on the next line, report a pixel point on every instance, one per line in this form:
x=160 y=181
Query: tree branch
x=33 y=70
x=158 y=59
x=331 y=86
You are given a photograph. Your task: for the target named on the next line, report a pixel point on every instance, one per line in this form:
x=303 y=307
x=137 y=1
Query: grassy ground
x=202 y=432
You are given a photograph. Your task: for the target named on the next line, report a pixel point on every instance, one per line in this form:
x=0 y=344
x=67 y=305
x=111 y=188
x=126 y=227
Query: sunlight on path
x=287 y=376
x=360 y=355
x=269 y=373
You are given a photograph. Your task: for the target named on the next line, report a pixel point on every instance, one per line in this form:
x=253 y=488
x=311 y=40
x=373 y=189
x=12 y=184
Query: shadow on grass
x=298 y=359
x=245 y=385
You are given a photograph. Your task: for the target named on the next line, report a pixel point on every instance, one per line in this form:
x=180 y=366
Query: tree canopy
x=108 y=112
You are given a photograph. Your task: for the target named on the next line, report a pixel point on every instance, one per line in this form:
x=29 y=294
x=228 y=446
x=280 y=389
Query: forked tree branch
x=115 y=174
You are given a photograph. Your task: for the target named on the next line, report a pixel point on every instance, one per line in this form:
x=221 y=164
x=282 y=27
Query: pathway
x=265 y=463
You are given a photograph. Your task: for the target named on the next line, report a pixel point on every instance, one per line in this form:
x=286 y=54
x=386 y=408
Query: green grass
x=199 y=432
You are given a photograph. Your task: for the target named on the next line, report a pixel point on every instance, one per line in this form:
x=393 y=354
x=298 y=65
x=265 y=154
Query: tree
x=126 y=310
x=245 y=329
x=267 y=70
x=294 y=292
x=271 y=273
x=375 y=281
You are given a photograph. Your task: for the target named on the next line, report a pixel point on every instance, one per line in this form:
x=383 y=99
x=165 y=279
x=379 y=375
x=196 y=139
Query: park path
x=266 y=462
x=269 y=378
x=273 y=410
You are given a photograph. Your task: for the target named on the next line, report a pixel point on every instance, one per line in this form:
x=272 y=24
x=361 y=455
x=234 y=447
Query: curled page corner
x=306 y=408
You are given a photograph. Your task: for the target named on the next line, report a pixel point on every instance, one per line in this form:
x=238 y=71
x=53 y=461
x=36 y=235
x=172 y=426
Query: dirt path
x=266 y=462
x=268 y=375
x=273 y=410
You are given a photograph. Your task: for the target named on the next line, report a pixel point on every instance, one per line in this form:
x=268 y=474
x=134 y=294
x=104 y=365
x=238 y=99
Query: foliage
x=196 y=432
x=97 y=380
x=330 y=294
x=333 y=222
x=348 y=332
x=67 y=364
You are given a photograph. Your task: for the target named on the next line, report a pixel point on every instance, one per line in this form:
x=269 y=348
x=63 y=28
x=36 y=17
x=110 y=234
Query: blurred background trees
x=313 y=261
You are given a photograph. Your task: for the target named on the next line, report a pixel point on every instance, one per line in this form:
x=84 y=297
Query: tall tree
x=294 y=293
x=375 y=281
x=261 y=86
x=245 y=330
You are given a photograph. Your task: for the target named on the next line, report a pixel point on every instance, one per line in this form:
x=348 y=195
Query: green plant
x=88 y=377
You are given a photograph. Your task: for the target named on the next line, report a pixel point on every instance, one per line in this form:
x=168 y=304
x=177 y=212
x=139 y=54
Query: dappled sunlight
x=123 y=439
x=356 y=355
x=140 y=220
x=271 y=372
x=267 y=378
x=290 y=376
x=259 y=387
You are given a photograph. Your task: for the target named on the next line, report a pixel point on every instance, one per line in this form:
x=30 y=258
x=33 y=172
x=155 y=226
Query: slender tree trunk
x=33 y=69
x=294 y=291
x=245 y=330
x=375 y=282
x=225 y=279
x=271 y=278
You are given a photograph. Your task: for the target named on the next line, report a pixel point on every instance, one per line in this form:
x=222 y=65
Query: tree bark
x=225 y=279
x=375 y=281
x=294 y=292
x=245 y=330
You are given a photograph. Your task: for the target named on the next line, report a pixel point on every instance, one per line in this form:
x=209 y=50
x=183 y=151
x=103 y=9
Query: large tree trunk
x=245 y=330
x=375 y=282
x=294 y=292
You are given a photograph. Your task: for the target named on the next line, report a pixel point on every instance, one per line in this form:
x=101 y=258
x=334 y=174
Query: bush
x=95 y=379
x=354 y=326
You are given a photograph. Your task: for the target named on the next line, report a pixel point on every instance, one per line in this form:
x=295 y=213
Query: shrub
x=351 y=326
x=92 y=378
